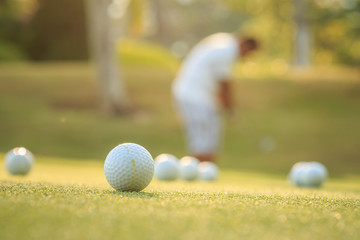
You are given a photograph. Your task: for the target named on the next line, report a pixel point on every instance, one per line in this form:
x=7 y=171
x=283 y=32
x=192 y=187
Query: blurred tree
x=103 y=39
x=12 y=21
x=136 y=12
x=336 y=27
x=323 y=31
x=57 y=31
x=302 y=35
x=160 y=21
x=271 y=22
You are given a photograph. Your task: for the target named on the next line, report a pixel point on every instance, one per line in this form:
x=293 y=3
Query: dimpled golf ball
x=308 y=174
x=129 y=167
x=19 y=161
x=166 y=167
x=189 y=168
x=208 y=171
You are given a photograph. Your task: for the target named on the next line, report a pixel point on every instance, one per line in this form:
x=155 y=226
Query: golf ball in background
x=166 y=167
x=308 y=174
x=267 y=144
x=294 y=172
x=208 y=171
x=189 y=168
x=19 y=161
x=315 y=174
x=301 y=180
x=129 y=167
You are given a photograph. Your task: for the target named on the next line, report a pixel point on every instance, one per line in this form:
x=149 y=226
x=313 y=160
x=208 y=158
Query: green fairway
x=70 y=199
x=268 y=92
x=52 y=109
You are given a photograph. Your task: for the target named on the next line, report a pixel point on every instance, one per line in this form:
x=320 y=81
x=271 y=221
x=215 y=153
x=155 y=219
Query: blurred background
x=78 y=77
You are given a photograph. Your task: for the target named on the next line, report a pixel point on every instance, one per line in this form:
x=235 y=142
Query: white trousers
x=202 y=125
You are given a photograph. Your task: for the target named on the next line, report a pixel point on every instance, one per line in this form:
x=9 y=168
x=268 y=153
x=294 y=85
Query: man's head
x=247 y=45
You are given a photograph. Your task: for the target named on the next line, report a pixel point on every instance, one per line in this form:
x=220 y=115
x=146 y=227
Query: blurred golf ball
x=129 y=167
x=208 y=171
x=189 y=168
x=166 y=167
x=19 y=161
x=308 y=174
x=267 y=144
x=315 y=174
x=294 y=172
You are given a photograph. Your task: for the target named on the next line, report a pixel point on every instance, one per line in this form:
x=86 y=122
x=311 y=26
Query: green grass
x=139 y=53
x=313 y=116
x=52 y=110
x=70 y=199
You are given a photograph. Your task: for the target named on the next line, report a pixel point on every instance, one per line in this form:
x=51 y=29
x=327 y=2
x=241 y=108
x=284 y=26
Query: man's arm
x=225 y=95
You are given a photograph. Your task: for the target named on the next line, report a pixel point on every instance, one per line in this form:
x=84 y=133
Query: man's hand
x=225 y=96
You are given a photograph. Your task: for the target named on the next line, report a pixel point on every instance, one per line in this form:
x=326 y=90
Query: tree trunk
x=160 y=19
x=302 y=35
x=102 y=49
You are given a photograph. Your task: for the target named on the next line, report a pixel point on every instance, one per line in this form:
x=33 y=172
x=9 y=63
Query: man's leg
x=203 y=132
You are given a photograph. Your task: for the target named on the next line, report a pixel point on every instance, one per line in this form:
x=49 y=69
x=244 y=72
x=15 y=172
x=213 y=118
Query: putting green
x=70 y=199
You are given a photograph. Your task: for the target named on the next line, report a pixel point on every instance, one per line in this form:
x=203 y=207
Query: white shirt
x=208 y=63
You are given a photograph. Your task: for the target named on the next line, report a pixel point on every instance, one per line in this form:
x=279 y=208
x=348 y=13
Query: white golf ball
x=166 y=167
x=308 y=174
x=208 y=171
x=301 y=179
x=19 y=161
x=129 y=167
x=188 y=168
x=294 y=172
x=315 y=174
x=321 y=168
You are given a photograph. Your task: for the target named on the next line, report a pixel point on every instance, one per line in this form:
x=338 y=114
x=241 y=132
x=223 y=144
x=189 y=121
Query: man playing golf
x=203 y=86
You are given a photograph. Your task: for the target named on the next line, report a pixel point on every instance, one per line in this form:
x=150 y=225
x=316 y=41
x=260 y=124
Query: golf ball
x=19 y=161
x=188 y=168
x=315 y=174
x=129 y=167
x=208 y=171
x=166 y=167
x=308 y=174
x=294 y=172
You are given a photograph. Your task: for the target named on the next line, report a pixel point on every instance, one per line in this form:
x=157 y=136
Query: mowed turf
x=70 y=199
x=52 y=109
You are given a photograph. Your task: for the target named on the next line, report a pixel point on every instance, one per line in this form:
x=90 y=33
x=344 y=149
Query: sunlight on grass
x=90 y=173
x=69 y=198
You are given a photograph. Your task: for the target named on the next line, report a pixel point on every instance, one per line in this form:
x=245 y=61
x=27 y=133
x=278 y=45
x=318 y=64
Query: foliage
x=48 y=33
x=45 y=29
x=58 y=31
x=10 y=52
x=10 y=31
x=336 y=28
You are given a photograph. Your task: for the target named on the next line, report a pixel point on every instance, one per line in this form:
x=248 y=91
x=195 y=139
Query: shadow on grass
x=132 y=194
